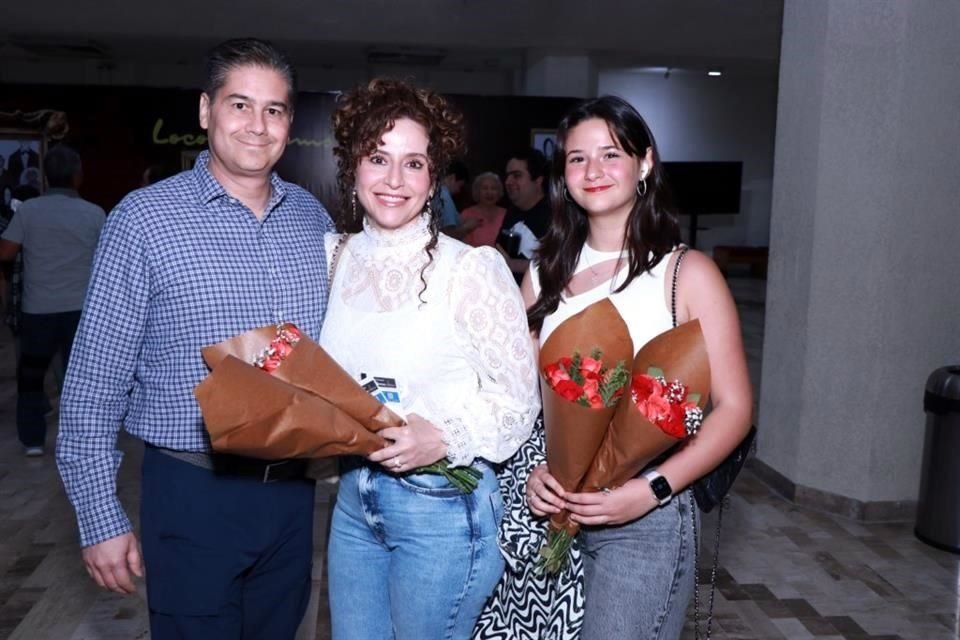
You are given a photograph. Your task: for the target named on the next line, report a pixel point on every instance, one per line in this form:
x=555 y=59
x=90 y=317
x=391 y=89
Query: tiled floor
x=786 y=572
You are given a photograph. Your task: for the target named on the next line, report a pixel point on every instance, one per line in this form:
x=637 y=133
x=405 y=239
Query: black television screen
x=705 y=187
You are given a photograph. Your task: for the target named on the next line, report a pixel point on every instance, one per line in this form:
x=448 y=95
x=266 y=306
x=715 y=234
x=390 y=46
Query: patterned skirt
x=528 y=604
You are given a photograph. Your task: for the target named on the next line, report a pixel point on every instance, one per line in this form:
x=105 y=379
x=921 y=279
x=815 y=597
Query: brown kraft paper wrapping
x=311 y=368
x=574 y=432
x=632 y=441
x=249 y=412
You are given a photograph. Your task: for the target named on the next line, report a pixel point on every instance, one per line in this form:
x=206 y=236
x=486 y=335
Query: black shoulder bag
x=710 y=490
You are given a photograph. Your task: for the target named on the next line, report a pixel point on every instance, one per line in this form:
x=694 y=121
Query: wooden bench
x=753 y=257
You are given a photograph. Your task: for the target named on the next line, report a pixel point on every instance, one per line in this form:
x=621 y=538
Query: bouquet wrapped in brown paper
x=580 y=394
x=302 y=363
x=274 y=394
x=668 y=389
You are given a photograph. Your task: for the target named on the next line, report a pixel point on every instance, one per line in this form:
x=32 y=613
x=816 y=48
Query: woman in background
x=486 y=216
x=410 y=556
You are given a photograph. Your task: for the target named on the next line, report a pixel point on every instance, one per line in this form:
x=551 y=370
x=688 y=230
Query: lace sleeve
x=491 y=328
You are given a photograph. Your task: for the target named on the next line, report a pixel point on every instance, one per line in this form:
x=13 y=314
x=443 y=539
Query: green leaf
x=614 y=380
x=575 y=375
x=655 y=372
x=694 y=397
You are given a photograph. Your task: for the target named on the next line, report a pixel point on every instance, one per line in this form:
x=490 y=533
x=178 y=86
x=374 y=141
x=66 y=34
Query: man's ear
x=204 y=110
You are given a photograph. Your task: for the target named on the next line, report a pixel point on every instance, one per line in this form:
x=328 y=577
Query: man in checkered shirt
x=184 y=263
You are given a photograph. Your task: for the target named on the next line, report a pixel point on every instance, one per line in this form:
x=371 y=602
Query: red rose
x=568 y=390
x=591 y=387
x=554 y=374
x=656 y=409
x=282 y=348
x=674 y=425
x=270 y=364
x=644 y=386
x=591 y=365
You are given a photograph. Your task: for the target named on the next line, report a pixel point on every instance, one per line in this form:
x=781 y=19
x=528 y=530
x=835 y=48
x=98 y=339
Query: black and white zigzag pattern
x=528 y=605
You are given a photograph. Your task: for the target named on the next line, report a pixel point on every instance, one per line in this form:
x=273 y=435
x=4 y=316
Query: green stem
x=465 y=479
x=555 y=554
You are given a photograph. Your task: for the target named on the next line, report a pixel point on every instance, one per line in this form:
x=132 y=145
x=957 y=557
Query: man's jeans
x=42 y=337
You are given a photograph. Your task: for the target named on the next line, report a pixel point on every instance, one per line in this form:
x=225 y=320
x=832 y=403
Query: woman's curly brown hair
x=365 y=113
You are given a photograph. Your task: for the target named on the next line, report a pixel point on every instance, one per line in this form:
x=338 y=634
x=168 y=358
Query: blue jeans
x=42 y=337
x=410 y=557
x=639 y=576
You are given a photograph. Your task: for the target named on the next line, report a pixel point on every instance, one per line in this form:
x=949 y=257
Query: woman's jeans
x=639 y=576
x=410 y=557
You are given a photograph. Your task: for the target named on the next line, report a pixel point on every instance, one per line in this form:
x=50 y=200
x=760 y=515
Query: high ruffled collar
x=413 y=235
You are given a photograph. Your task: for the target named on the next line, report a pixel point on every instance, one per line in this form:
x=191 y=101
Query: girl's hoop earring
x=566 y=195
x=642 y=188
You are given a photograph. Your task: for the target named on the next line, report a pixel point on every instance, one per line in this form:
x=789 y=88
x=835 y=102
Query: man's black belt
x=230 y=465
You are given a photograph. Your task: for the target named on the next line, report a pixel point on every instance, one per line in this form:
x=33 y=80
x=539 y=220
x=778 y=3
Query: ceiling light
x=714 y=73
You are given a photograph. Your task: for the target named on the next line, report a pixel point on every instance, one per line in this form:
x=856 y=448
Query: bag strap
x=696 y=570
x=673 y=285
x=335 y=257
x=693 y=504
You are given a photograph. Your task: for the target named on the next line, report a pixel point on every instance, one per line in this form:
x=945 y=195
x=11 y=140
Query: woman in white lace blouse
x=410 y=556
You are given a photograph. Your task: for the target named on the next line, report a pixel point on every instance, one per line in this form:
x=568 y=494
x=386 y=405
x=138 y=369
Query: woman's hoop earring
x=642 y=188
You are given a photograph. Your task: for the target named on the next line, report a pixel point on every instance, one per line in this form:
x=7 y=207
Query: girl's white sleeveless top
x=643 y=304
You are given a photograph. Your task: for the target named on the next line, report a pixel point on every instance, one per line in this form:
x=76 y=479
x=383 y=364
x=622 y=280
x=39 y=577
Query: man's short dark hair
x=242 y=52
x=536 y=162
x=458 y=170
x=61 y=164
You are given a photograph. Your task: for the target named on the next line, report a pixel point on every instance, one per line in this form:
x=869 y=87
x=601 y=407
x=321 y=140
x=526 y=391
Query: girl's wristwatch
x=662 y=490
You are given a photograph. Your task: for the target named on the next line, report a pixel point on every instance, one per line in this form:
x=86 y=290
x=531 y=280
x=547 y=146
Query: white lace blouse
x=460 y=350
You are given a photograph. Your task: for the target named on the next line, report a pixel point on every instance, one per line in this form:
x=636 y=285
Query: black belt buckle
x=285 y=470
x=276 y=471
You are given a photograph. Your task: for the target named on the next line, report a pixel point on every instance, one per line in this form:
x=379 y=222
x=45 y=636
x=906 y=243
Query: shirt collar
x=61 y=191
x=210 y=189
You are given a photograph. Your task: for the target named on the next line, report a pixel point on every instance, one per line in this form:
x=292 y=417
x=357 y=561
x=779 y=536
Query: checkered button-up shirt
x=180 y=265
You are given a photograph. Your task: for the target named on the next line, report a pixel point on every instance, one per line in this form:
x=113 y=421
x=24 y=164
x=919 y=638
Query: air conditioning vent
x=61 y=49
x=413 y=56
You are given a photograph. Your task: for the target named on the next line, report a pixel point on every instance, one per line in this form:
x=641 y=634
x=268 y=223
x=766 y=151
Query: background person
x=486 y=214
x=528 y=215
x=57 y=234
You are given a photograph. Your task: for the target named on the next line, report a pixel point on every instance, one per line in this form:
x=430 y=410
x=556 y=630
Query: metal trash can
x=938 y=507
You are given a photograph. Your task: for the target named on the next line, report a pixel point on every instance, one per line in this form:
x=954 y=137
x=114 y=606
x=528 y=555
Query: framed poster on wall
x=21 y=167
x=544 y=140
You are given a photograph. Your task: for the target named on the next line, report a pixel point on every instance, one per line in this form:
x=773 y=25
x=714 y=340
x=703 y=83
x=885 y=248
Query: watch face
x=661 y=488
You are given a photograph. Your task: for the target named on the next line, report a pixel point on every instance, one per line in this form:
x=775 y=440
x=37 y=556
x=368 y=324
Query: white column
x=863 y=296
